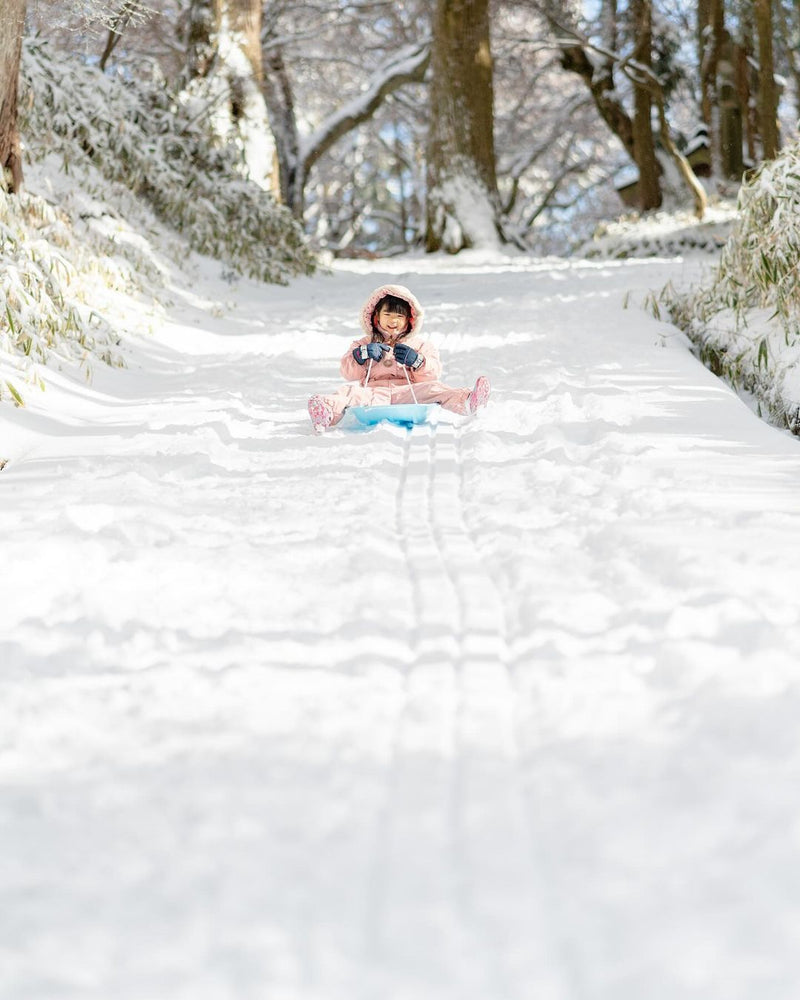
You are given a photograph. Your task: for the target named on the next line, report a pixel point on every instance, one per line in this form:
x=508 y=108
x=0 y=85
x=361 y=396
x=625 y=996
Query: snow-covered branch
x=409 y=67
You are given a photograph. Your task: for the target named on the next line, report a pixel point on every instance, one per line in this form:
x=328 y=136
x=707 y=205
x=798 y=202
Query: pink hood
x=402 y=293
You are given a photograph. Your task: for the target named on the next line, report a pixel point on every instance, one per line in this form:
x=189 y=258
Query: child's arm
x=431 y=369
x=349 y=367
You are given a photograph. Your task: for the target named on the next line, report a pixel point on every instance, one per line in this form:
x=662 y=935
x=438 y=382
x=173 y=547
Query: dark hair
x=396 y=304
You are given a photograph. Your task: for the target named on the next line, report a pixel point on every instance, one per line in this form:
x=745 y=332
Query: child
x=381 y=364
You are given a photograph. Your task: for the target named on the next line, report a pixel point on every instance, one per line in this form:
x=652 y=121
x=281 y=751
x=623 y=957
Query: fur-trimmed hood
x=401 y=292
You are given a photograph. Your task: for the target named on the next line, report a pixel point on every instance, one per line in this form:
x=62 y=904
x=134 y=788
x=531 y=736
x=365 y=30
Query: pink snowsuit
x=378 y=383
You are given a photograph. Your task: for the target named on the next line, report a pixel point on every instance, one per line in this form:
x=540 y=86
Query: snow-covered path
x=507 y=711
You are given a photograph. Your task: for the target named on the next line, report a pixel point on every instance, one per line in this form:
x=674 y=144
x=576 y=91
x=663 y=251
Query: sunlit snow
x=500 y=711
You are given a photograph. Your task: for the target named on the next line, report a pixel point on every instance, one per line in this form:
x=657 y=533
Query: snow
x=699 y=140
x=663 y=234
x=504 y=710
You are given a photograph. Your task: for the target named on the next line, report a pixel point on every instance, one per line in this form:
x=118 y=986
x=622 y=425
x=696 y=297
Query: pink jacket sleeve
x=430 y=371
x=349 y=367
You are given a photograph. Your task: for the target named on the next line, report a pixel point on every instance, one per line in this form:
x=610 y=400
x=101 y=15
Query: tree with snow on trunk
x=226 y=74
x=297 y=154
x=462 y=197
x=12 y=19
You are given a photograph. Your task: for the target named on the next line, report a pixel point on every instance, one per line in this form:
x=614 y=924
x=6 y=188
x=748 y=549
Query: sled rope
x=405 y=372
x=410 y=386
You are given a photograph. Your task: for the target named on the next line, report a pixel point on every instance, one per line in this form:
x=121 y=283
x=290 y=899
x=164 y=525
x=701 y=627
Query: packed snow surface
x=501 y=710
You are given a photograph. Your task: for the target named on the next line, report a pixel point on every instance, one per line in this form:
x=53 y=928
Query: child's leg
x=433 y=392
x=328 y=408
x=479 y=395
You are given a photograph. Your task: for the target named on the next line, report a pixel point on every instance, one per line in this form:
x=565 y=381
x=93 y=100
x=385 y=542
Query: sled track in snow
x=456 y=771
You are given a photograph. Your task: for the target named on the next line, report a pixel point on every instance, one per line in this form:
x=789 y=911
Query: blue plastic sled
x=402 y=414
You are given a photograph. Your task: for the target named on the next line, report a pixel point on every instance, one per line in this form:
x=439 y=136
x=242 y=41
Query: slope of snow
x=503 y=711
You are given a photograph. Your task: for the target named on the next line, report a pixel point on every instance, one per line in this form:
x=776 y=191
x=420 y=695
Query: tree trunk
x=462 y=198
x=786 y=31
x=245 y=17
x=710 y=26
x=598 y=75
x=279 y=96
x=743 y=73
x=295 y=156
x=767 y=87
x=610 y=30
x=729 y=113
x=225 y=66
x=649 y=187
x=684 y=167
x=710 y=36
x=12 y=20
x=201 y=40
x=119 y=23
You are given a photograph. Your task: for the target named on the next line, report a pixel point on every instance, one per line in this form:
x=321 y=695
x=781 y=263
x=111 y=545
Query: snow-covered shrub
x=759 y=267
x=46 y=275
x=161 y=146
x=745 y=319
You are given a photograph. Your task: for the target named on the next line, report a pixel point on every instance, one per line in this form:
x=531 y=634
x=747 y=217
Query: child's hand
x=372 y=350
x=405 y=355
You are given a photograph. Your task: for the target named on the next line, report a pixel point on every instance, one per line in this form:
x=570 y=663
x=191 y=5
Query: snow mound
x=661 y=234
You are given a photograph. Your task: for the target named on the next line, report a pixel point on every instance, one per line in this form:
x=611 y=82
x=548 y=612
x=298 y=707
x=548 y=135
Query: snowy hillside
x=121 y=180
x=500 y=711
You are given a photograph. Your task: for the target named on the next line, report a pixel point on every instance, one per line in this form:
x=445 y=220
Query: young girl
x=391 y=355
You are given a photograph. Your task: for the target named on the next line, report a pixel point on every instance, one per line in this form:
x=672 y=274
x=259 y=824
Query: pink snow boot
x=320 y=412
x=479 y=394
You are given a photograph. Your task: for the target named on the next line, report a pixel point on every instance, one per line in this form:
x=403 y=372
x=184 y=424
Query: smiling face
x=391 y=318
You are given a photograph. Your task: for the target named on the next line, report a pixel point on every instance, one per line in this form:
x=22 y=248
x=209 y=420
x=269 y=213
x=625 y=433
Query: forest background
x=385 y=126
